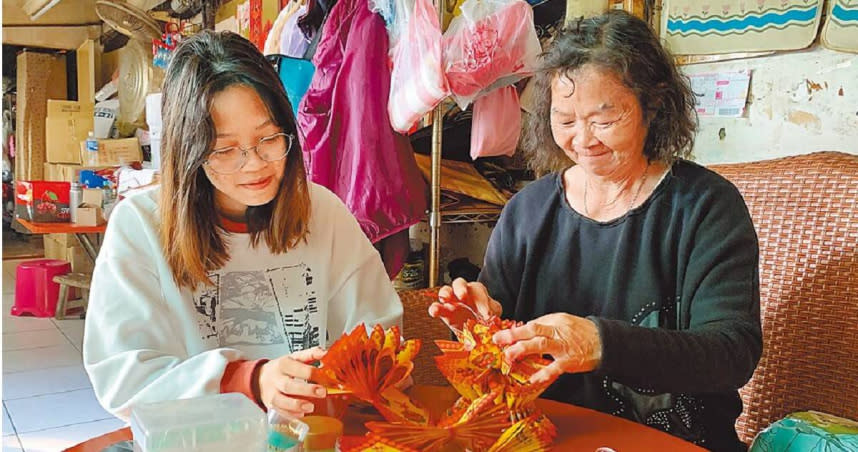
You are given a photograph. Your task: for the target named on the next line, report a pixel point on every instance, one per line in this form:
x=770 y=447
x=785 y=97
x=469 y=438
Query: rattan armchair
x=805 y=211
x=416 y=324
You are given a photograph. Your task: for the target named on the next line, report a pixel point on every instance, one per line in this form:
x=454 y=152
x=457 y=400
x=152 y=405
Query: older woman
x=635 y=269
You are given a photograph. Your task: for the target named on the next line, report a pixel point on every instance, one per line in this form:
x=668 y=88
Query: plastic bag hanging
x=162 y=49
x=293 y=43
x=492 y=44
x=497 y=123
x=417 y=82
x=272 y=41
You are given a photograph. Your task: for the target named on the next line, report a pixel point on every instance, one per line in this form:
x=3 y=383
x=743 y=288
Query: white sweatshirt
x=147 y=340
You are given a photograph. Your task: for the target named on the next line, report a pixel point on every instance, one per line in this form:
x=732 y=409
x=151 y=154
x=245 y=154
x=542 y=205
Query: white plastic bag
x=492 y=43
x=496 y=124
x=417 y=82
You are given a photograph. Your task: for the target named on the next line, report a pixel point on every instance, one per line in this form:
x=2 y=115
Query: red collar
x=233 y=226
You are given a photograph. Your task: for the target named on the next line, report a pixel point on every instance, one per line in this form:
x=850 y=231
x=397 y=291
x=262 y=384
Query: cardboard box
x=80 y=261
x=92 y=196
x=40 y=76
x=121 y=151
x=88 y=70
x=42 y=201
x=67 y=172
x=68 y=123
x=89 y=215
x=69 y=240
x=75 y=255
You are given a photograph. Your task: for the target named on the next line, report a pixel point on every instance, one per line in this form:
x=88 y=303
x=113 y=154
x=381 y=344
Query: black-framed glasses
x=231 y=159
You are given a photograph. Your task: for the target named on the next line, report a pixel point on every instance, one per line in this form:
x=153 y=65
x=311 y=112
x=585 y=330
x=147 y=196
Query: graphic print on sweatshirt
x=265 y=307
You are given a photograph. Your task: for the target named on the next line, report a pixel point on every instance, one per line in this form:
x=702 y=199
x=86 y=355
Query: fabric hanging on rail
x=293 y=43
x=349 y=145
x=272 y=41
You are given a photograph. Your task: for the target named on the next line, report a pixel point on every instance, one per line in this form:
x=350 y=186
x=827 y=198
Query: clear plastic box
x=217 y=423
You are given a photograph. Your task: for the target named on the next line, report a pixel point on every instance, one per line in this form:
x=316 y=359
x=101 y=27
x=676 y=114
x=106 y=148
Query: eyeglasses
x=231 y=159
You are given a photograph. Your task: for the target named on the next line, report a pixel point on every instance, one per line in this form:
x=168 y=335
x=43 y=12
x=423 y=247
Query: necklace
x=634 y=199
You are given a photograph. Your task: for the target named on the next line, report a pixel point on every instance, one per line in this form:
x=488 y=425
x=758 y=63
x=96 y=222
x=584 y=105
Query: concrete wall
x=799 y=102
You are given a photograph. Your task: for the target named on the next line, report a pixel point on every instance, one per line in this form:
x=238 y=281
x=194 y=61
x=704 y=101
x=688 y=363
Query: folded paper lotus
x=496 y=411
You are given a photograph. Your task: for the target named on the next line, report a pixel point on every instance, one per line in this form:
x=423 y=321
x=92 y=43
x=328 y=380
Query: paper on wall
x=721 y=93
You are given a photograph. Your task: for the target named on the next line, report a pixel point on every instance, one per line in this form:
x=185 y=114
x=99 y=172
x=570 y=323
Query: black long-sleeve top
x=672 y=285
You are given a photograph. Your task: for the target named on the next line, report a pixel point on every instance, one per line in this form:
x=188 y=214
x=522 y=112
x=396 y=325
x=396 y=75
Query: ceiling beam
x=66 y=12
x=51 y=37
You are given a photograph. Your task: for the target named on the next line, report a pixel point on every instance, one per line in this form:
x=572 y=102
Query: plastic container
x=35 y=289
x=324 y=435
x=215 y=423
x=109 y=200
x=285 y=435
x=91 y=150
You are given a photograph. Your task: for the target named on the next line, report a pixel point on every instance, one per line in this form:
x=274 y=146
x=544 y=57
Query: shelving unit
x=470 y=211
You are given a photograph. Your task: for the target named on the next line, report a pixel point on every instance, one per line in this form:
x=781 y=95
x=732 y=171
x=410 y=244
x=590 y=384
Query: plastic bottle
x=108 y=200
x=91 y=150
x=411 y=275
x=75 y=198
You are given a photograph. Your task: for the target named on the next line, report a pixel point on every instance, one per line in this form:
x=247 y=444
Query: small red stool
x=35 y=289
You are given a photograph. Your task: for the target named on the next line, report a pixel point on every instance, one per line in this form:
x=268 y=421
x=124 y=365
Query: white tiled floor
x=48 y=403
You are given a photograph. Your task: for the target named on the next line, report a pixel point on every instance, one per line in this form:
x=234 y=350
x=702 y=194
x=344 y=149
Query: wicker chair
x=805 y=211
x=416 y=324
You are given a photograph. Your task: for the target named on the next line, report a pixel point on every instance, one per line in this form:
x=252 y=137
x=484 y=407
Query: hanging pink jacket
x=349 y=145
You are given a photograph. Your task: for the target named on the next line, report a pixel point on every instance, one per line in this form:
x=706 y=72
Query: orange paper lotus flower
x=477 y=428
x=476 y=365
x=370 y=367
x=367 y=365
x=496 y=411
x=375 y=443
x=532 y=434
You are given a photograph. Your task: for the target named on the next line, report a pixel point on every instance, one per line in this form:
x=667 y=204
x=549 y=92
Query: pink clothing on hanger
x=349 y=145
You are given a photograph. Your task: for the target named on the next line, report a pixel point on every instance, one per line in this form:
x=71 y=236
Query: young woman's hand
x=283 y=383
x=473 y=295
x=572 y=341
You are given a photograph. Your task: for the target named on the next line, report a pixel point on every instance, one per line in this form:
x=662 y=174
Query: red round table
x=578 y=429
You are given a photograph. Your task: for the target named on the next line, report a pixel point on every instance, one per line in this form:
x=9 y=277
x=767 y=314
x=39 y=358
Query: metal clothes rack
x=435 y=207
x=468 y=214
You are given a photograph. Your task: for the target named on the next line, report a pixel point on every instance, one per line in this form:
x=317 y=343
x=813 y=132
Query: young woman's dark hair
x=191 y=233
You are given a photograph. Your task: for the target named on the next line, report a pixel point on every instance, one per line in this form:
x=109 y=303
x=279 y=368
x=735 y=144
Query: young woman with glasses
x=236 y=271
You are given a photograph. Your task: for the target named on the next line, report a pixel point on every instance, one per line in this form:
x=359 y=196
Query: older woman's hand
x=572 y=341
x=473 y=295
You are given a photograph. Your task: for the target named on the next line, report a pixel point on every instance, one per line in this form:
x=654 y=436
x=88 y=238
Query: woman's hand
x=572 y=341
x=474 y=295
x=283 y=383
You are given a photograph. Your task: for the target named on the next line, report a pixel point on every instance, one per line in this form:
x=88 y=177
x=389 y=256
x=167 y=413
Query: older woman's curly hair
x=626 y=45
